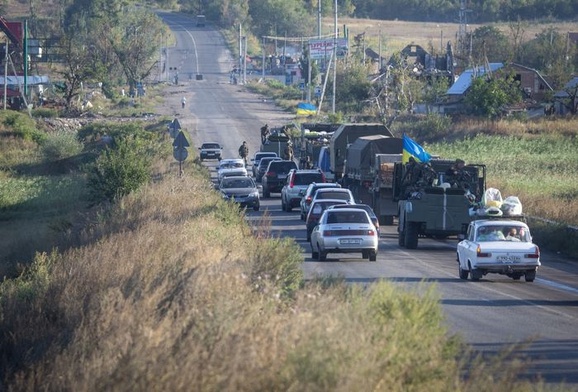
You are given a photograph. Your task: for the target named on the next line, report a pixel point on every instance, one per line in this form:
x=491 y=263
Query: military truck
x=368 y=173
x=430 y=204
x=276 y=141
x=342 y=138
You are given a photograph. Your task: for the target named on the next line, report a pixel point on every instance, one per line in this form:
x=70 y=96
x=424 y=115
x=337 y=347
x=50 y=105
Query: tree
x=78 y=65
x=489 y=43
x=352 y=87
x=488 y=95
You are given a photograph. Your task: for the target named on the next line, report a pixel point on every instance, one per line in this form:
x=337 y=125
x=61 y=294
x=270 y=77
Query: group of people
x=490 y=233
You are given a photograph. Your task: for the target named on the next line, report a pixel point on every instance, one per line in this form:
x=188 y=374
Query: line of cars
x=335 y=223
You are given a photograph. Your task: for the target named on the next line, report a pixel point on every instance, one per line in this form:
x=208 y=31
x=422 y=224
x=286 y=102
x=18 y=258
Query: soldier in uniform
x=244 y=151
x=288 y=152
x=264 y=133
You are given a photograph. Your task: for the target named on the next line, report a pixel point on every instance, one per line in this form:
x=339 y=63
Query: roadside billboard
x=323 y=48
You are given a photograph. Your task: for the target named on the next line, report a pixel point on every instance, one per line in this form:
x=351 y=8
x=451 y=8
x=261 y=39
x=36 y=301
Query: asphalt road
x=491 y=314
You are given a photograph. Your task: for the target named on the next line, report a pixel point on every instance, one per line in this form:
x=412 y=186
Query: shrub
x=44 y=113
x=61 y=145
x=22 y=126
x=119 y=171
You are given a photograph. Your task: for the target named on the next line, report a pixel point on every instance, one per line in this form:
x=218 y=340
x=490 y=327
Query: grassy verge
x=172 y=277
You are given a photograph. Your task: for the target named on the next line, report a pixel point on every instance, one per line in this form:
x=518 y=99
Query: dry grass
x=395 y=34
x=172 y=291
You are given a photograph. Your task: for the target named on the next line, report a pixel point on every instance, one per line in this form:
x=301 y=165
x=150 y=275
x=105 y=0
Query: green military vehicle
x=433 y=204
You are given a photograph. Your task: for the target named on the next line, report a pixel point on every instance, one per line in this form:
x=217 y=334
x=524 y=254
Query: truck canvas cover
x=345 y=135
x=361 y=154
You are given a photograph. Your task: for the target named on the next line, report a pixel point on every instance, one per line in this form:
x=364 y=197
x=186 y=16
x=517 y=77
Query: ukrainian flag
x=412 y=149
x=306 y=109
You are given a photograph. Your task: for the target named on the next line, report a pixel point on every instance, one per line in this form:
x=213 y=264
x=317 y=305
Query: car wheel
x=365 y=254
x=463 y=273
x=411 y=235
x=530 y=276
x=475 y=274
x=288 y=207
x=372 y=255
x=322 y=256
x=314 y=254
x=256 y=207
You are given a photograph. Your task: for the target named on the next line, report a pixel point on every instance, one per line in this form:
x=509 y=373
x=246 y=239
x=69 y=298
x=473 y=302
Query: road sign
x=181 y=141
x=180 y=153
x=174 y=127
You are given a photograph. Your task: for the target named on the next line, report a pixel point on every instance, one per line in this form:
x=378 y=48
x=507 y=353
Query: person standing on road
x=244 y=151
x=288 y=152
x=183 y=102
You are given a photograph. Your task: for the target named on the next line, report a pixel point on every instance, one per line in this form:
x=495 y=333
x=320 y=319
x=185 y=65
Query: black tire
x=401 y=238
x=462 y=272
x=475 y=274
x=314 y=255
x=365 y=254
x=288 y=207
x=411 y=235
x=529 y=276
x=516 y=276
x=372 y=255
x=256 y=207
x=322 y=256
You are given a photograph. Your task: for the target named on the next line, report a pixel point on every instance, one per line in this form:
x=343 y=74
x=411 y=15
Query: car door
x=467 y=247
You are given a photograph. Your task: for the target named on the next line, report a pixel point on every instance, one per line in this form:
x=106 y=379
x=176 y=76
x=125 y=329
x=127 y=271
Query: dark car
x=309 y=193
x=367 y=209
x=262 y=168
x=275 y=176
x=241 y=190
x=315 y=212
x=257 y=158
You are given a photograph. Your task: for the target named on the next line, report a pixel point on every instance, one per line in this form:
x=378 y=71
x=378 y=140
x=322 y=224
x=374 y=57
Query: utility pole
x=334 y=58
x=6 y=72
x=319 y=19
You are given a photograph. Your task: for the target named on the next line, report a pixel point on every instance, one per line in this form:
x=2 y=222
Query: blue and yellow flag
x=306 y=109
x=412 y=149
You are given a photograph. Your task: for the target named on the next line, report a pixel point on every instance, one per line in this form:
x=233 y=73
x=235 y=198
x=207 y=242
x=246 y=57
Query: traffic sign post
x=174 y=128
x=180 y=152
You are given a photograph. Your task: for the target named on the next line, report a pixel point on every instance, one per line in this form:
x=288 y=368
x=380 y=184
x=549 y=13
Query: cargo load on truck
x=368 y=173
x=343 y=137
x=433 y=203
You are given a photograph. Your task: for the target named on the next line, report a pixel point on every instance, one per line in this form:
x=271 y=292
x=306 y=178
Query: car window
x=333 y=195
x=347 y=217
x=210 y=145
x=307 y=178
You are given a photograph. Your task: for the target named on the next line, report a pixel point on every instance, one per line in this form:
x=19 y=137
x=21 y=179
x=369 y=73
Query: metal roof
x=465 y=80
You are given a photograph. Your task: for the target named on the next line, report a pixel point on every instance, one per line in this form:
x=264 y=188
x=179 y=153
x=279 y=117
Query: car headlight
x=254 y=194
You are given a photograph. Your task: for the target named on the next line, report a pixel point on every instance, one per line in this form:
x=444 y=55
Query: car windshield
x=211 y=145
x=229 y=182
x=338 y=216
x=503 y=233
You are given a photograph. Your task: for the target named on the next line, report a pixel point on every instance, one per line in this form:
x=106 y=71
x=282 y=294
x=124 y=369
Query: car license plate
x=350 y=241
x=508 y=259
x=282 y=176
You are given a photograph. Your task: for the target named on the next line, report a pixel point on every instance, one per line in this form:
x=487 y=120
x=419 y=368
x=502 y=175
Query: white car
x=231 y=167
x=344 y=230
x=502 y=246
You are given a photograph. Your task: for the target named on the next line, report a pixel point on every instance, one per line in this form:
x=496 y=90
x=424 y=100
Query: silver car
x=344 y=230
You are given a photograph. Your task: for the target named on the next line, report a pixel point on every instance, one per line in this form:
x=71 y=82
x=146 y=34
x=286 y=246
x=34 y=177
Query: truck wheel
x=530 y=276
x=463 y=273
x=411 y=235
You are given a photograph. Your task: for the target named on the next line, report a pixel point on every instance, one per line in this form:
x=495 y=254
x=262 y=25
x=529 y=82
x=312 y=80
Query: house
x=536 y=89
x=566 y=100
